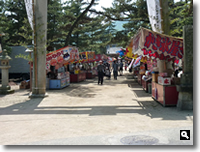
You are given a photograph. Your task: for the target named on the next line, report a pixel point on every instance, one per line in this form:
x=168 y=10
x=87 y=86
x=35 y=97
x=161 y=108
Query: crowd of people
x=105 y=69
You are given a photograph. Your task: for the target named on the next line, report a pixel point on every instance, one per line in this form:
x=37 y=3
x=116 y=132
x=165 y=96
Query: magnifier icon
x=184 y=134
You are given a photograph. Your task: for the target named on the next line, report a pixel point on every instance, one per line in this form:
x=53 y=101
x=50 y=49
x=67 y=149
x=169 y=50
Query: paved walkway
x=118 y=112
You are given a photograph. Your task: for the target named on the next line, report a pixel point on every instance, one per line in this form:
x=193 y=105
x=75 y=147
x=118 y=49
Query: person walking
x=101 y=71
x=115 y=70
x=121 y=68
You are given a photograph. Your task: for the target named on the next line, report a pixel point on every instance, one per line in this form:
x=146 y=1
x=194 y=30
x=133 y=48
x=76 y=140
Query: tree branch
x=77 y=20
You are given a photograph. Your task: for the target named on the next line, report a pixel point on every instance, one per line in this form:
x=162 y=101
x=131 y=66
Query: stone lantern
x=4 y=59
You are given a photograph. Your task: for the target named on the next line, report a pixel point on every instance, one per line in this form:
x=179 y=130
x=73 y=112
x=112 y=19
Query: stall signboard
x=62 y=57
x=87 y=56
x=66 y=80
x=164 y=80
x=90 y=55
x=156 y=45
x=82 y=56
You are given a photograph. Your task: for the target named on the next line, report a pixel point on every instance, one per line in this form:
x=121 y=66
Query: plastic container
x=155 y=76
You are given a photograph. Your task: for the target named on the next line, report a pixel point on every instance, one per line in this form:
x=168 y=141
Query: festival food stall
x=88 y=58
x=56 y=62
x=159 y=46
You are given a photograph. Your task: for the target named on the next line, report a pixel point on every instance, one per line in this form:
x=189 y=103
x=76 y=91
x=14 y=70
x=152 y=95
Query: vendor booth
x=58 y=76
x=90 y=59
x=77 y=72
x=165 y=48
x=77 y=77
x=76 y=69
x=87 y=59
x=61 y=81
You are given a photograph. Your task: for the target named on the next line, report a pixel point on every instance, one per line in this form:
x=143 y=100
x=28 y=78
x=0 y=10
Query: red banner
x=153 y=44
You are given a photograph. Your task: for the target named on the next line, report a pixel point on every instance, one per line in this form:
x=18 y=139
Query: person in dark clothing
x=115 y=69
x=121 y=68
x=176 y=73
x=101 y=71
x=107 y=70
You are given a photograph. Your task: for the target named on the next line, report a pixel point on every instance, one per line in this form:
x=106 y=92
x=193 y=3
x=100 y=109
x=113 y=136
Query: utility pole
x=39 y=59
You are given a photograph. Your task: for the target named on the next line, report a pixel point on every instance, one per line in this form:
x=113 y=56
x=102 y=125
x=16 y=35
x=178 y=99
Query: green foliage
x=181 y=13
x=95 y=30
x=55 y=21
x=91 y=33
x=133 y=12
x=25 y=57
x=136 y=14
x=12 y=22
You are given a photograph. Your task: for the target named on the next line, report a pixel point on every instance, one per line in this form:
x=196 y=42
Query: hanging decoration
x=137 y=62
x=121 y=53
x=128 y=53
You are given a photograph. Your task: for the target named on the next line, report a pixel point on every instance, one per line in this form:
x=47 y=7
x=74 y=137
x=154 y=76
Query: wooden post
x=165 y=25
x=40 y=31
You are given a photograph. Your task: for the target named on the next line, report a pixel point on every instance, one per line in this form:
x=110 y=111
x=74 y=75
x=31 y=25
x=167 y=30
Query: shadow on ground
x=151 y=108
x=148 y=108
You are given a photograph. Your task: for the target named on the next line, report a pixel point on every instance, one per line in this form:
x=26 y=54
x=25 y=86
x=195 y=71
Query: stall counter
x=77 y=77
x=167 y=95
x=60 y=83
x=145 y=84
x=90 y=74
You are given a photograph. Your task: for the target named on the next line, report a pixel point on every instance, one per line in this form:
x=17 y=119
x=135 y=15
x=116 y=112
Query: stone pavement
x=118 y=112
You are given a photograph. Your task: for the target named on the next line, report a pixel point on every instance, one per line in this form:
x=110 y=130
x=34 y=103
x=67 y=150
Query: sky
x=105 y=3
x=108 y=3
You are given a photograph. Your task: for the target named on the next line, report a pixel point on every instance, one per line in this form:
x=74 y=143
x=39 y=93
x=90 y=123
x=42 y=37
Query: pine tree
x=13 y=22
x=136 y=15
x=78 y=16
x=91 y=31
x=55 y=21
x=133 y=12
x=181 y=13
